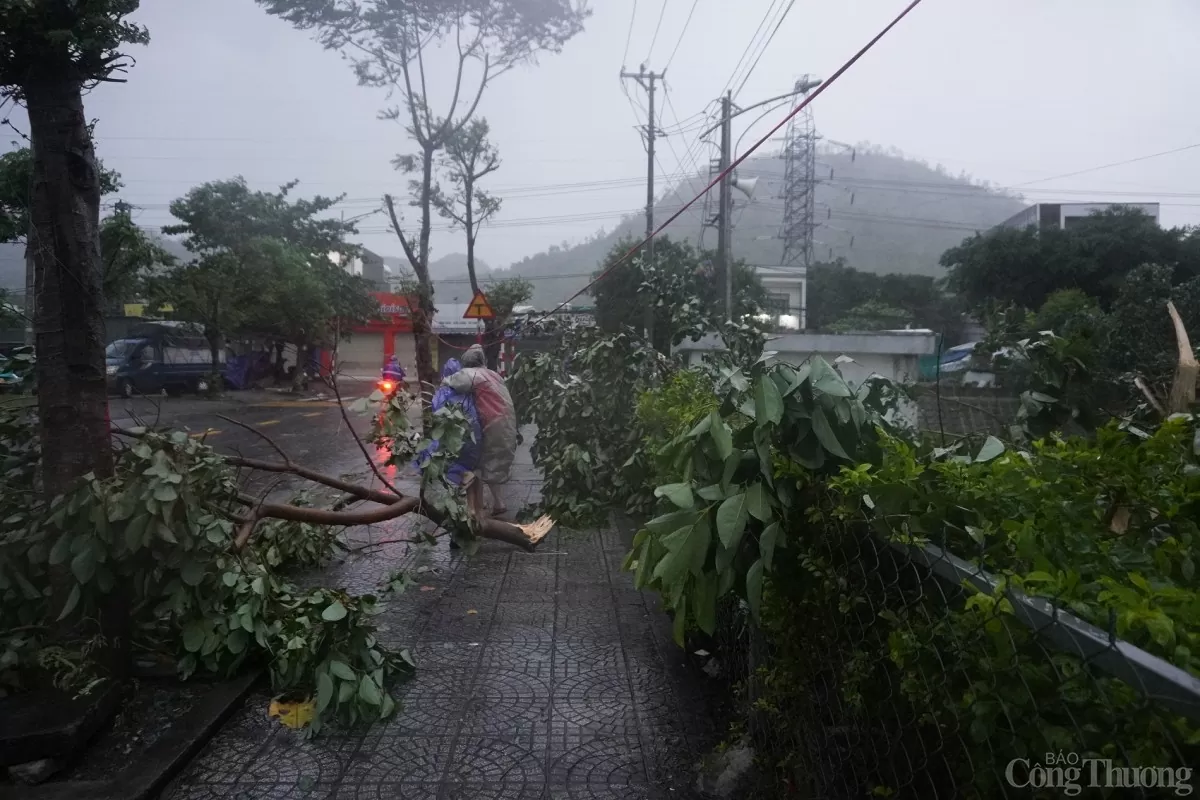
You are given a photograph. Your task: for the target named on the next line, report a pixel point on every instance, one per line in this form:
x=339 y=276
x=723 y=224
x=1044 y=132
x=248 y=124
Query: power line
x=657 y=28
x=736 y=162
x=770 y=38
x=679 y=41
x=749 y=46
x=1114 y=164
x=629 y=36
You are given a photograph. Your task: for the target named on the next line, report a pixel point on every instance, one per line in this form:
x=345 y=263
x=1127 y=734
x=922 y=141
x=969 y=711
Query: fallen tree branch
x=390 y=506
x=360 y=492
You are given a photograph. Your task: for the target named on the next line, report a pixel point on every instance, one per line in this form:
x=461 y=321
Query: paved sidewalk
x=541 y=675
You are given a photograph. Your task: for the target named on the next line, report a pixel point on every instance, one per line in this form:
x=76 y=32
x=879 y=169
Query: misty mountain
x=12 y=262
x=448 y=267
x=878 y=210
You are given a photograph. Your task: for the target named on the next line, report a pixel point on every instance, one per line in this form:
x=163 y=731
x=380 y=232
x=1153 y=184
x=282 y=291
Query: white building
x=787 y=295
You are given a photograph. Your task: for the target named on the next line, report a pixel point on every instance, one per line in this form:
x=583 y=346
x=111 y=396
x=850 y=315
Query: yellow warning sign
x=479 y=308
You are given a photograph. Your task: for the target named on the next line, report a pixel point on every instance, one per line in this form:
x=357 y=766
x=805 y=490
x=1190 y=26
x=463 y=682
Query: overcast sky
x=1010 y=91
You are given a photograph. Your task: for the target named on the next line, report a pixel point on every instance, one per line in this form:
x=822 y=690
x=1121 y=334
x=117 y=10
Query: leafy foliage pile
x=787 y=498
x=588 y=445
x=739 y=493
x=162 y=527
x=789 y=493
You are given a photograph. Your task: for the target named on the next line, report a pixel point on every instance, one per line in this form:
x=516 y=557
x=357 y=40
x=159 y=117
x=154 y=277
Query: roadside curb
x=165 y=759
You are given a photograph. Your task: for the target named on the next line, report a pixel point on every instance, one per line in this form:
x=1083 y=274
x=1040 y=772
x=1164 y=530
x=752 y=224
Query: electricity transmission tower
x=799 y=186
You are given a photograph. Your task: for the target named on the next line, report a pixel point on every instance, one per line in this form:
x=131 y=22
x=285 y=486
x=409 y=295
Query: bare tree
x=469 y=158
x=388 y=43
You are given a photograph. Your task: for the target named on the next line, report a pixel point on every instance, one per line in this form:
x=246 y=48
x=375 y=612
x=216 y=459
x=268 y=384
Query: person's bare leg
x=475 y=498
x=498 y=506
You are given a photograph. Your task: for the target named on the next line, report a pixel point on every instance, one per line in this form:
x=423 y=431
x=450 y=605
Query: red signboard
x=392 y=306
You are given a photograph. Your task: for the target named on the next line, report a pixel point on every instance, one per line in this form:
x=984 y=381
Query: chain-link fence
x=893 y=670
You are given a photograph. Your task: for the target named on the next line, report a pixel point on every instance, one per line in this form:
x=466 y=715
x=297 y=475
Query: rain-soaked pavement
x=541 y=675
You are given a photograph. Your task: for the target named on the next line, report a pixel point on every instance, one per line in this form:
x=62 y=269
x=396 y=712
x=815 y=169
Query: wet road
x=314 y=433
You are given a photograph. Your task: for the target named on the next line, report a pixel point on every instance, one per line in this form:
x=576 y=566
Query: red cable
x=738 y=160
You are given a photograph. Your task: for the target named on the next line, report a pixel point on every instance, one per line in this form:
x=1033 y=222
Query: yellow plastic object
x=293 y=714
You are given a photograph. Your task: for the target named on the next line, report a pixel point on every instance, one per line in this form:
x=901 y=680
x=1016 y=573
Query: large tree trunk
x=215 y=343
x=423 y=319
x=73 y=422
x=30 y=305
x=299 y=379
x=69 y=321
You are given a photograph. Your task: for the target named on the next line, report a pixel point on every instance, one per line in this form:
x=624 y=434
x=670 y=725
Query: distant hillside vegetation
x=880 y=211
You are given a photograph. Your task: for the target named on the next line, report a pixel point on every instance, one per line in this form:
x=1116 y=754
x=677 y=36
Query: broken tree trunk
x=1183 y=389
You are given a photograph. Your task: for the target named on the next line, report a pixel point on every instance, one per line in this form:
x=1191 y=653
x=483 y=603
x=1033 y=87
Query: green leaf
x=368 y=692
x=731 y=520
x=324 y=691
x=135 y=531
x=758 y=503
x=192 y=573
x=670 y=522
x=711 y=493
x=680 y=626
x=61 y=549
x=678 y=493
x=754 y=581
x=346 y=691
x=701 y=427
x=991 y=448
x=193 y=637
x=826 y=380
x=768 y=403
x=825 y=434
x=237 y=640
x=165 y=493
x=693 y=549
x=721 y=436
x=72 y=601
x=342 y=670
x=766 y=544
x=334 y=611
x=83 y=565
x=731 y=465
x=704 y=602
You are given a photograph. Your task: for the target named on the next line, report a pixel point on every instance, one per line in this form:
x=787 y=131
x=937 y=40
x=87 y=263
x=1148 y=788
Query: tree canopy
x=681 y=283
x=263 y=263
x=844 y=298
x=1025 y=266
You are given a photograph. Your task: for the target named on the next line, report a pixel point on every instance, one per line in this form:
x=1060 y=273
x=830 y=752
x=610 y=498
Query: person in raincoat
x=496 y=415
x=468 y=457
x=392 y=371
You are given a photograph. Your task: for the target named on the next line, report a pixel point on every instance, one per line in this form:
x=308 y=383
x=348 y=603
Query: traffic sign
x=479 y=308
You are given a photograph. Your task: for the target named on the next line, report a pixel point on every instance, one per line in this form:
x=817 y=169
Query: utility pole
x=724 y=218
x=647 y=81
